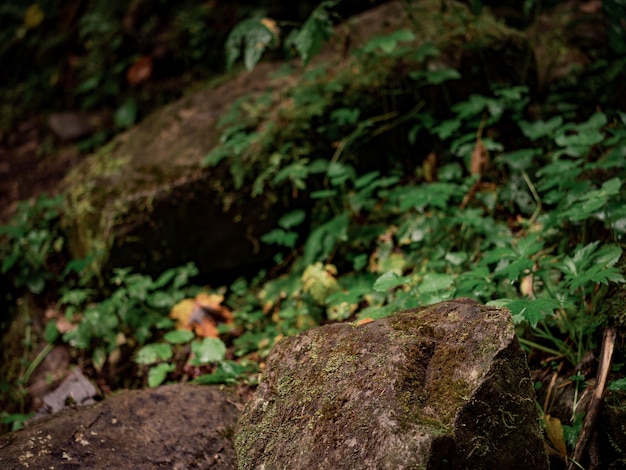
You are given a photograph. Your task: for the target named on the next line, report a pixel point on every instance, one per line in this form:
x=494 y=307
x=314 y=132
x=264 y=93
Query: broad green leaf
x=322 y=240
x=126 y=115
x=178 y=336
x=446 y=128
x=435 y=282
x=151 y=353
x=164 y=278
x=207 y=351
x=157 y=374
x=161 y=299
x=437 y=77
x=389 y=280
x=366 y=179
x=51 y=333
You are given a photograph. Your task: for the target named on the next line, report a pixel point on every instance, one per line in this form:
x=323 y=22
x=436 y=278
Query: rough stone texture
x=174 y=427
x=441 y=387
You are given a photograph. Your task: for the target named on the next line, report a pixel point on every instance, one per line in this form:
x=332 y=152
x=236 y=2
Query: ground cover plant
x=512 y=208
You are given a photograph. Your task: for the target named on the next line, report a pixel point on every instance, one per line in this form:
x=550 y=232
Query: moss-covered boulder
x=203 y=179
x=446 y=386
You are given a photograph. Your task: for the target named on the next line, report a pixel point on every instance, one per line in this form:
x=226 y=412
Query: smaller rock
x=76 y=389
x=69 y=126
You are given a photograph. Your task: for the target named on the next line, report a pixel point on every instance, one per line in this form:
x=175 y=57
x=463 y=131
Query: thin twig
x=608 y=344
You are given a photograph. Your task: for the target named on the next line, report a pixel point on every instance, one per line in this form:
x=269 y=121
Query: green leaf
x=280 y=237
x=322 y=240
x=292 y=219
x=434 y=282
x=316 y=29
x=537 y=129
x=164 y=278
x=387 y=44
x=151 y=353
x=178 y=336
x=126 y=115
x=160 y=299
x=618 y=385
x=389 y=280
x=157 y=374
x=253 y=36
x=207 y=351
x=227 y=372
x=435 y=77
x=531 y=310
x=51 y=332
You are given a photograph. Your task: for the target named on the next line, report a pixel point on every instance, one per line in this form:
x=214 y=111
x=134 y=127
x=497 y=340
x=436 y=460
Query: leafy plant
x=30 y=244
x=135 y=309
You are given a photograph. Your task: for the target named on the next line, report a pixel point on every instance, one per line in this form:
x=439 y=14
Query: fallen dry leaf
x=202 y=315
x=140 y=71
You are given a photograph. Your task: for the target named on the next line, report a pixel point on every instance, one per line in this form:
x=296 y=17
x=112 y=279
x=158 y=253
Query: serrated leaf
x=531 y=310
x=254 y=36
x=618 y=385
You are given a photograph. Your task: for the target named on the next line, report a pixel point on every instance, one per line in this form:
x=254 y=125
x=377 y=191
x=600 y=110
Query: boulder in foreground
x=440 y=387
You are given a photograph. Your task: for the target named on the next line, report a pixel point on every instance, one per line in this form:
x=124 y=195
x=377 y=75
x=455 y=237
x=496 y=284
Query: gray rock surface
x=441 y=387
x=174 y=427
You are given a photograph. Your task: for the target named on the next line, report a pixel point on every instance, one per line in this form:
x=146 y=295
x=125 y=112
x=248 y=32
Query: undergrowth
x=512 y=209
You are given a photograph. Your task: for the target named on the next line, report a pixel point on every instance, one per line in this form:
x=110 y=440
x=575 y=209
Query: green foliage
x=258 y=34
x=31 y=245
x=396 y=245
x=135 y=309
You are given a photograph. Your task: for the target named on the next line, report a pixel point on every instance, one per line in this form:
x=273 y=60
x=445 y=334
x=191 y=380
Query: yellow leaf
x=181 y=312
x=554 y=431
x=318 y=280
x=33 y=16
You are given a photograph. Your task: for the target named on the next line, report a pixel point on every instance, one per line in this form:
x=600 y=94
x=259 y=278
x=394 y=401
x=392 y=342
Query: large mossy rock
x=147 y=201
x=175 y=426
x=441 y=387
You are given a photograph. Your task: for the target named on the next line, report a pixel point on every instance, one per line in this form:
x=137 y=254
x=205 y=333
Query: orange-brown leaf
x=140 y=71
x=554 y=431
x=480 y=158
